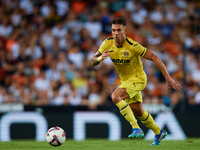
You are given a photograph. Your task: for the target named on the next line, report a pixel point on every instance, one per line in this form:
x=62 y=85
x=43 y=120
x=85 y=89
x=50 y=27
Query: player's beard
x=119 y=41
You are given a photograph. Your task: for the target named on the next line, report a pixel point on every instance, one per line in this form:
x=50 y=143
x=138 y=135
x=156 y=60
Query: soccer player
x=125 y=55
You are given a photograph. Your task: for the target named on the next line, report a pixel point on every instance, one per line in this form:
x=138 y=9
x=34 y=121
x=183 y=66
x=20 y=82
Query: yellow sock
x=126 y=111
x=148 y=121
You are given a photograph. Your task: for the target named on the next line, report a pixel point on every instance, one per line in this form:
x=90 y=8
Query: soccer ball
x=56 y=136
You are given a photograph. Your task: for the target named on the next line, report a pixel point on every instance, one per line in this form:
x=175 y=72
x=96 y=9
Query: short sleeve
x=139 y=49
x=104 y=46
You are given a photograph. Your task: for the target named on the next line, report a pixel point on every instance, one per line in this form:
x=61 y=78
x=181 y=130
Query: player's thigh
x=134 y=86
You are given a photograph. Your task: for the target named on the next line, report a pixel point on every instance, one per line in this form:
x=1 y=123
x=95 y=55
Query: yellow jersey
x=126 y=58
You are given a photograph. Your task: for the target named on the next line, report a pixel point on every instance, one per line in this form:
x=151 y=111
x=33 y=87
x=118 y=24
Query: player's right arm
x=97 y=58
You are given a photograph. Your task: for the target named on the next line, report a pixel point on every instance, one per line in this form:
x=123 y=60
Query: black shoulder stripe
x=110 y=38
x=129 y=42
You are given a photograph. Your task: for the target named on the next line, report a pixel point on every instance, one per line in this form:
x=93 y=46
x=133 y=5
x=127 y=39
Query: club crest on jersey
x=126 y=54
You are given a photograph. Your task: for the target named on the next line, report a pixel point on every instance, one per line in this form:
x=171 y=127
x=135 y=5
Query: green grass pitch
x=103 y=144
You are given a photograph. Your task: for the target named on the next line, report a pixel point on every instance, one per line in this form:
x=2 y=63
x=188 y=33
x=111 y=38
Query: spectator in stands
x=5 y=28
x=35 y=33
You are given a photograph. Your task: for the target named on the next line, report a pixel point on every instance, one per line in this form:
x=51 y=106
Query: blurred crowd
x=46 y=47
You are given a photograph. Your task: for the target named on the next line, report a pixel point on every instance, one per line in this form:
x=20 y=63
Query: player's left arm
x=170 y=82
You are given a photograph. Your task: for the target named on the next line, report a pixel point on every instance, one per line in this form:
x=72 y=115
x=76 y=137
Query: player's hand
x=105 y=55
x=173 y=84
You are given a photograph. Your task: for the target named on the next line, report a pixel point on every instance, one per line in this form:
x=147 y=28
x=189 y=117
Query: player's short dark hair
x=119 y=20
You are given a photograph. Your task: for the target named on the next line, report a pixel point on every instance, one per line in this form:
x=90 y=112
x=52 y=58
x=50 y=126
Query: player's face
x=118 y=32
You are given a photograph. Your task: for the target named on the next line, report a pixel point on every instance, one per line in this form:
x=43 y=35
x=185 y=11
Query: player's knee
x=115 y=98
